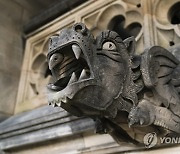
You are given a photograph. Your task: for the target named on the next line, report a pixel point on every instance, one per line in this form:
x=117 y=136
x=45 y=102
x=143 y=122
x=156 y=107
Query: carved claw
x=141 y=121
x=100 y=126
x=139 y=116
x=136 y=121
x=131 y=123
x=133 y=116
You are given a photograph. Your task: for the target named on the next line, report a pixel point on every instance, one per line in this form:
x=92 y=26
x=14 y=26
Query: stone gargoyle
x=104 y=79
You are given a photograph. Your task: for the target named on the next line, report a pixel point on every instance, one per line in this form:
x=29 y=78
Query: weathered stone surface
x=37 y=45
x=153 y=16
x=40 y=125
x=13 y=15
x=52 y=130
x=104 y=79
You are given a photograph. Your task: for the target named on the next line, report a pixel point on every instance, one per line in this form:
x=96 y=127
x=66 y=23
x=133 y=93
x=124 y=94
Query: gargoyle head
x=89 y=74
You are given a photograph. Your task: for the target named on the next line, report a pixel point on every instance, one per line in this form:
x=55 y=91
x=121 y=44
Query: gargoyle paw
x=138 y=117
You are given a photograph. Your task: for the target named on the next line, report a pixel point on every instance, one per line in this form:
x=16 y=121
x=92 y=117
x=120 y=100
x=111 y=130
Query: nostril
x=80 y=27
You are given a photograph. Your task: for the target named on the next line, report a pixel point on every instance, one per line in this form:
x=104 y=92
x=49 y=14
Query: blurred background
x=27 y=123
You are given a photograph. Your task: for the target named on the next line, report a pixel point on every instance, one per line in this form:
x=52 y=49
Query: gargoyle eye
x=109 y=46
x=55 y=59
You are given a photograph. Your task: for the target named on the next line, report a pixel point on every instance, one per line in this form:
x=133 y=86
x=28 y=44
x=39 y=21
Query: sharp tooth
x=141 y=121
x=77 y=50
x=64 y=99
x=73 y=78
x=59 y=103
x=83 y=75
x=55 y=105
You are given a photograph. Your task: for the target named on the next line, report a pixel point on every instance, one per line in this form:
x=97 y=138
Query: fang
x=83 y=75
x=73 y=78
x=77 y=50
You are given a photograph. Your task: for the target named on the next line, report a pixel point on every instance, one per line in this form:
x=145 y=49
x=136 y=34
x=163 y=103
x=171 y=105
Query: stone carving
x=102 y=78
x=128 y=14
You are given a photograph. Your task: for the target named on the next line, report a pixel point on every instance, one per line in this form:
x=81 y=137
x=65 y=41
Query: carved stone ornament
x=102 y=78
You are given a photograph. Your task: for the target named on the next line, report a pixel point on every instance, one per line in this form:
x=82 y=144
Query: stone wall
x=14 y=14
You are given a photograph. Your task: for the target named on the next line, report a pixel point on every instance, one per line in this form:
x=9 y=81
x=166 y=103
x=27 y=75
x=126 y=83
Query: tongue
x=53 y=87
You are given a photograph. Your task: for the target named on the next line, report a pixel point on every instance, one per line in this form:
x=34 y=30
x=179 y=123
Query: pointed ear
x=130 y=45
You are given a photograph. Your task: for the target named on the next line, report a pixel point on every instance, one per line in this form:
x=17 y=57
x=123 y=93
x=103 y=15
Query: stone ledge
x=3 y=116
x=40 y=125
x=31 y=119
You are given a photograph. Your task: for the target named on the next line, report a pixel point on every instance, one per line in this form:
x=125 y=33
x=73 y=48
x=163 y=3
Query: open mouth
x=72 y=69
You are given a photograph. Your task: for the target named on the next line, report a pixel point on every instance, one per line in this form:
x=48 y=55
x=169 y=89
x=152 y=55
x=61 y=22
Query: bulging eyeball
x=55 y=59
x=109 y=46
